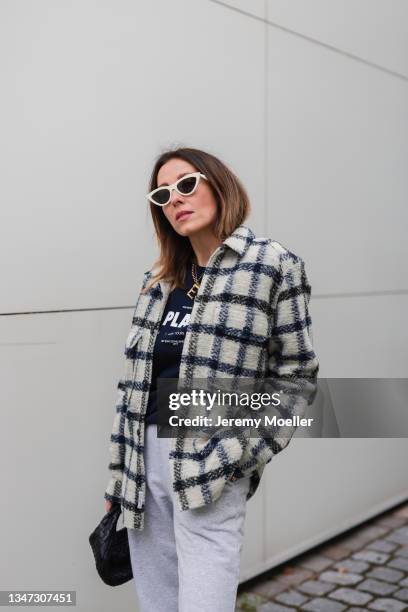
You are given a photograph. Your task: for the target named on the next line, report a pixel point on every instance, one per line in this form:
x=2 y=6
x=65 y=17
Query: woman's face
x=201 y=204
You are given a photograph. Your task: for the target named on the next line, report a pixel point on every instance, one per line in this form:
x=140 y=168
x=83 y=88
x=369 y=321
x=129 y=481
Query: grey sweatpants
x=186 y=561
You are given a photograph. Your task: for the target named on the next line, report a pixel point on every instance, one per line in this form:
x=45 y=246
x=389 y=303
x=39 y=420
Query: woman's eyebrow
x=178 y=176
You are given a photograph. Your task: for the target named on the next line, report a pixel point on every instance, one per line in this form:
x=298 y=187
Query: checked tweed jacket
x=249 y=319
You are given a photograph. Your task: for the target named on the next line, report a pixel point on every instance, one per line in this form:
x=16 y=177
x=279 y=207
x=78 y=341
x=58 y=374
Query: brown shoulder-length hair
x=232 y=203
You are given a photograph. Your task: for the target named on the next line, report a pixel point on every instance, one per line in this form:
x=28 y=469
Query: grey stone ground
x=366 y=568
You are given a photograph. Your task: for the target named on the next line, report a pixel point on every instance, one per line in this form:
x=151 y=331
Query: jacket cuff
x=113 y=490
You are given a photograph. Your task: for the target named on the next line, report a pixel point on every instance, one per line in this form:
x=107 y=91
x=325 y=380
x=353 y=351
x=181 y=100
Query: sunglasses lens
x=187 y=185
x=161 y=197
x=184 y=186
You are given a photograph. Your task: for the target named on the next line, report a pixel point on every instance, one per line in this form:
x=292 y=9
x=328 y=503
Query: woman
x=219 y=304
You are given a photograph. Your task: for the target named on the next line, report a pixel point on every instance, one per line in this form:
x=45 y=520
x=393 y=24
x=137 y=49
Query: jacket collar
x=238 y=241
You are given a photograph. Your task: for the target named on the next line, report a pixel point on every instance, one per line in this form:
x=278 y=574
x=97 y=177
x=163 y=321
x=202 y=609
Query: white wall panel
x=337 y=145
x=91 y=92
x=374 y=30
x=320 y=488
x=58 y=392
x=252 y=7
x=253 y=549
x=361 y=336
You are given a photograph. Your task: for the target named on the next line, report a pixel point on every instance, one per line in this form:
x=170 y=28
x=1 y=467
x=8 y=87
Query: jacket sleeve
x=292 y=362
x=117 y=444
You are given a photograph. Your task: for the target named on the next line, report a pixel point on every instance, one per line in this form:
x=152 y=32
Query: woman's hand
x=108 y=505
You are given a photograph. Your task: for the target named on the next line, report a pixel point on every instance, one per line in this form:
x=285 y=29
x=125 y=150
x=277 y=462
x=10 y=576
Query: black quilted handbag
x=111 y=549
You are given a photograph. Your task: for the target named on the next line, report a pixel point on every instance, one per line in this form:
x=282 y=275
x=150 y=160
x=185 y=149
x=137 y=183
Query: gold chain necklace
x=193 y=290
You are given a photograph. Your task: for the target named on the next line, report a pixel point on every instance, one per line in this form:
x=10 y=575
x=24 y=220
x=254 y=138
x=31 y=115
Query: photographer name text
x=206 y=421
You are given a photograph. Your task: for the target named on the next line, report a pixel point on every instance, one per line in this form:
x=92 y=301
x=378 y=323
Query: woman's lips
x=184 y=215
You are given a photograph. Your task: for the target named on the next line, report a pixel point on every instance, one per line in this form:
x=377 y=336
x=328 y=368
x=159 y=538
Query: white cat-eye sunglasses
x=186 y=185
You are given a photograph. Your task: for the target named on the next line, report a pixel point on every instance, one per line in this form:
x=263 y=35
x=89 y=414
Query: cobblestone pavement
x=365 y=568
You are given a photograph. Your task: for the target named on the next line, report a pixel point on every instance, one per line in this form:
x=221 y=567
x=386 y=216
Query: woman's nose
x=175 y=197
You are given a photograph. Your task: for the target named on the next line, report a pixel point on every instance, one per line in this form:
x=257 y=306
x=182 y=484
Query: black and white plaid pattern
x=250 y=319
